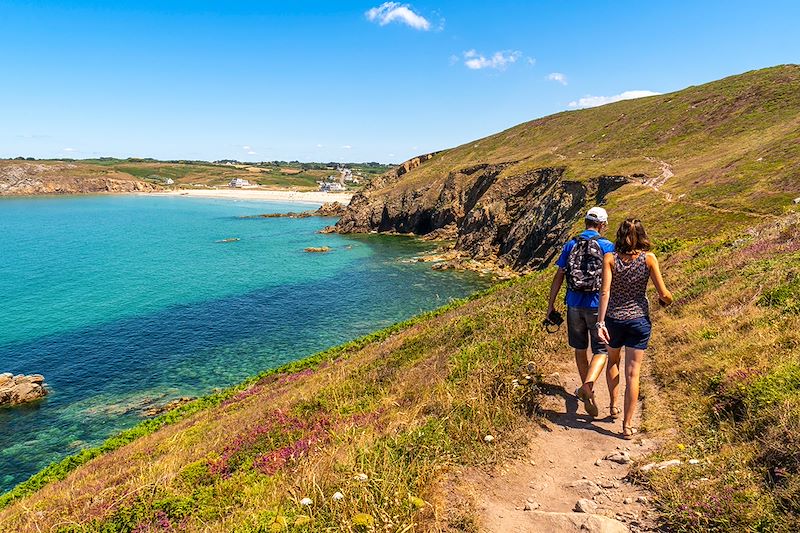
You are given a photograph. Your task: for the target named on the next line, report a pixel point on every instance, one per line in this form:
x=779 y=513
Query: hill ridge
x=670 y=141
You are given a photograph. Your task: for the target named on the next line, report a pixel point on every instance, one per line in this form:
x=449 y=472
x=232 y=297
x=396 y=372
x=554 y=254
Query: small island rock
x=318 y=249
x=19 y=389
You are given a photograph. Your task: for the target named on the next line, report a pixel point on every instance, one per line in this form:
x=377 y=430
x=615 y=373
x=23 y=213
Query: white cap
x=597 y=214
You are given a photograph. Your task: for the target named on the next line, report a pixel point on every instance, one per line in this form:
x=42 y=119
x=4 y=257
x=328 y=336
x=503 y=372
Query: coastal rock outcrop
x=493 y=215
x=19 y=389
x=29 y=178
x=328 y=209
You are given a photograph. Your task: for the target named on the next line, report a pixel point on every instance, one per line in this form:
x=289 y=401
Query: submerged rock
x=169 y=406
x=19 y=389
x=317 y=249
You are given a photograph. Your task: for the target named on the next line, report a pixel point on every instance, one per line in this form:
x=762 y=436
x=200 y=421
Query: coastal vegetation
x=376 y=434
x=92 y=174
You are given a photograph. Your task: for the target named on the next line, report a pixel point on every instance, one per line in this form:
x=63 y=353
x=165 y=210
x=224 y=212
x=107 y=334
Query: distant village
x=333 y=183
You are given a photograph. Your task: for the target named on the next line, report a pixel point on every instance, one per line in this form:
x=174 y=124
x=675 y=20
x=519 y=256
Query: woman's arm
x=664 y=296
x=605 y=294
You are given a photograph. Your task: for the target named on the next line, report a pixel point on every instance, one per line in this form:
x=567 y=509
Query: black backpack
x=585 y=265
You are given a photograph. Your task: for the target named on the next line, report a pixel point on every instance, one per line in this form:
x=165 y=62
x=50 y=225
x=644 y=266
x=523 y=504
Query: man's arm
x=558 y=280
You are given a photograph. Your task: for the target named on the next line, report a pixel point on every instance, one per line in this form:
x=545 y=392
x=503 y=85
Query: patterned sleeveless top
x=628 y=298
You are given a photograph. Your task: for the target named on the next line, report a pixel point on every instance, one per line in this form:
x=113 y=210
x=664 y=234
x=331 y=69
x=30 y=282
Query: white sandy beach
x=310 y=197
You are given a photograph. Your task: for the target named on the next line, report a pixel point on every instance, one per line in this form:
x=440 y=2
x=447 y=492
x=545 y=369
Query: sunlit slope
x=731 y=142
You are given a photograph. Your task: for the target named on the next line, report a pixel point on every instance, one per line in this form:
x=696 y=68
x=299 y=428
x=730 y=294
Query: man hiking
x=581 y=265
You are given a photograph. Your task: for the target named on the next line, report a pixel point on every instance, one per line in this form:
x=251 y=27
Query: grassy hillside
x=384 y=421
x=730 y=142
x=390 y=420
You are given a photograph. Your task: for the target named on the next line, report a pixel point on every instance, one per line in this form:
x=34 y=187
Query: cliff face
x=512 y=196
x=515 y=219
x=19 y=178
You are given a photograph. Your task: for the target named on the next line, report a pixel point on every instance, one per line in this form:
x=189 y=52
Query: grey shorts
x=581 y=323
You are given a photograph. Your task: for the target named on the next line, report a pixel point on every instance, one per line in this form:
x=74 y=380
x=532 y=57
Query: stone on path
x=586 y=487
x=661 y=466
x=621 y=457
x=544 y=522
x=585 y=506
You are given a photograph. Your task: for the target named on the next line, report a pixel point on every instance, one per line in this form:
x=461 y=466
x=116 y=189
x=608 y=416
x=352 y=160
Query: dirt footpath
x=573 y=478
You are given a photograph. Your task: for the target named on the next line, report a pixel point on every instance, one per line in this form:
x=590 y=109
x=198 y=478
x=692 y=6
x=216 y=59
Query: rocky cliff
x=33 y=178
x=511 y=197
x=516 y=219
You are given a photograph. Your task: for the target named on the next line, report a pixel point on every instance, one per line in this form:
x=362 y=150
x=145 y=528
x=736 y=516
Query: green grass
x=734 y=142
x=61 y=469
x=389 y=416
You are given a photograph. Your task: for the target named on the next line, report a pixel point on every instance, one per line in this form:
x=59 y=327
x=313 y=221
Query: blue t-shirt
x=583 y=299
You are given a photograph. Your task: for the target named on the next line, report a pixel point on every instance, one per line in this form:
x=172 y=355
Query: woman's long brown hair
x=631 y=237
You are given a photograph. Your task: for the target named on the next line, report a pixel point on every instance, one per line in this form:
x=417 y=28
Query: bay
x=123 y=302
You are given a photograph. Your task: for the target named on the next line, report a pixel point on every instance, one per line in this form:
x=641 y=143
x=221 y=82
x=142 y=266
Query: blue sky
x=347 y=81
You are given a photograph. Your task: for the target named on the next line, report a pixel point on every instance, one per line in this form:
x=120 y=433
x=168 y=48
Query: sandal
x=588 y=402
x=614 y=412
x=628 y=432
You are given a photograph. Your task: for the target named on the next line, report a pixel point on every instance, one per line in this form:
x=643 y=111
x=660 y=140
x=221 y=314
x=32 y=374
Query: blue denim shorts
x=633 y=333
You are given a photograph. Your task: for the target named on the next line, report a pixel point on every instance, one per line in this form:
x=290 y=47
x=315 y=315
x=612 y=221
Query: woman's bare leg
x=633 y=364
x=612 y=375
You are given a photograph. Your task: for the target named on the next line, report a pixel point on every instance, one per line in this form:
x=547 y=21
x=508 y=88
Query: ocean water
x=127 y=301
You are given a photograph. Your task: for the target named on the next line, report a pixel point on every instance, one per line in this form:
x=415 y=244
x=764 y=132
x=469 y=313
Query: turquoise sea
x=123 y=302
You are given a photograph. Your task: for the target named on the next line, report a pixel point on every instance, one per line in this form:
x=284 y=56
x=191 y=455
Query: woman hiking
x=624 y=315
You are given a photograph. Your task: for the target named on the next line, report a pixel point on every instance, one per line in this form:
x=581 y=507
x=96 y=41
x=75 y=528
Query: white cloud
x=70 y=150
x=250 y=152
x=319 y=146
x=347 y=147
x=389 y=12
x=499 y=60
x=594 y=101
x=557 y=76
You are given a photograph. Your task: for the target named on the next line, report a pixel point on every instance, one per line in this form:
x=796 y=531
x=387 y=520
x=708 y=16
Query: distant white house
x=238 y=182
x=168 y=181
